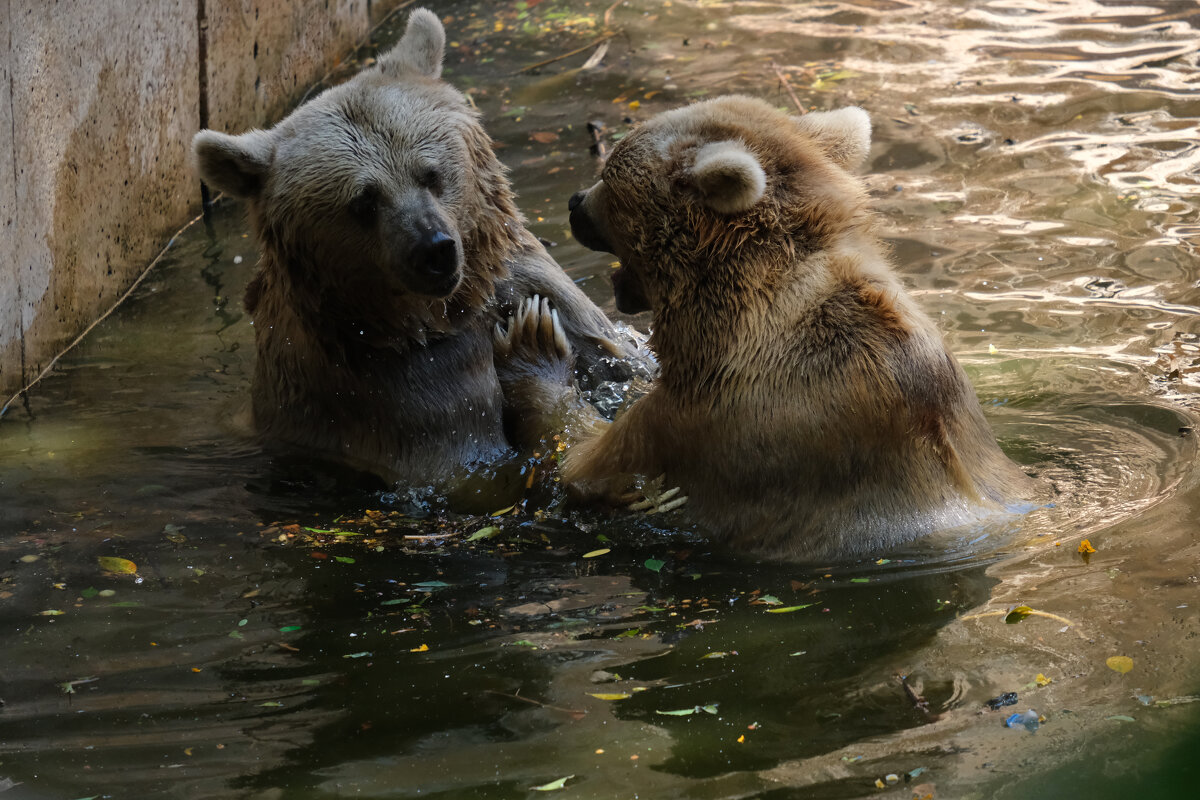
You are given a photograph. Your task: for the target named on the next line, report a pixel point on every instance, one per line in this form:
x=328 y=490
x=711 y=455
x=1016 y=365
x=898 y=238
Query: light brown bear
x=391 y=245
x=805 y=405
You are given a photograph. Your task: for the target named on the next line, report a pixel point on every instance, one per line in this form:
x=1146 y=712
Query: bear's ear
x=421 y=49
x=236 y=165
x=844 y=134
x=728 y=177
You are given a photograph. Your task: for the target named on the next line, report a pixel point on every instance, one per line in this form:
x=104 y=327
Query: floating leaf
x=717 y=654
x=788 y=609
x=483 y=533
x=344 y=559
x=271 y=704
x=423 y=648
x=121 y=566
x=655 y=564
x=89 y=593
x=768 y=600
x=53 y=612
x=520 y=643
x=552 y=786
x=1121 y=664
x=503 y=511
x=1042 y=680
x=1017 y=614
x=1085 y=548
x=610 y=695
x=599 y=552
x=544 y=137
x=1121 y=718
x=860 y=580
x=396 y=602
x=685 y=712
x=429 y=586
x=363 y=654
x=289 y=628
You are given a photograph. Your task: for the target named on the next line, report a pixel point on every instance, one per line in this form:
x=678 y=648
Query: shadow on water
x=289 y=629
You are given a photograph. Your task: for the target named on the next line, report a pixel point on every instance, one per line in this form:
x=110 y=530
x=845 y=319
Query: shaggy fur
x=391 y=245
x=805 y=404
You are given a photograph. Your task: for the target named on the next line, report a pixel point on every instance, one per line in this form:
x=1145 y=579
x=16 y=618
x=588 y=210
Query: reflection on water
x=292 y=631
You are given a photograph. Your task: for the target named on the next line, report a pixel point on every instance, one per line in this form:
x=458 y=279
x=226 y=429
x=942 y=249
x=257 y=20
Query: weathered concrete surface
x=10 y=298
x=103 y=95
x=262 y=56
x=98 y=105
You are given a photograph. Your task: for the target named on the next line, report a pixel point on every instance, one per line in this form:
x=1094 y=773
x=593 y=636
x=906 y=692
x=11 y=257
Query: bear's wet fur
x=390 y=246
x=805 y=404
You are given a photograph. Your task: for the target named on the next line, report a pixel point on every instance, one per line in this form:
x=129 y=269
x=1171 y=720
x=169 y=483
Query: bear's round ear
x=235 y=165
x=844 y=135
x=421 y=49
x=728 y=177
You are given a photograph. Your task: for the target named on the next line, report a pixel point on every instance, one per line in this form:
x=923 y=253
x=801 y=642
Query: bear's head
x=726 y=183
x=372 y=193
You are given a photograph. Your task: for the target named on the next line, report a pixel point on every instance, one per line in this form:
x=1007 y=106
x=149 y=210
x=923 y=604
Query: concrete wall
x=98 y=104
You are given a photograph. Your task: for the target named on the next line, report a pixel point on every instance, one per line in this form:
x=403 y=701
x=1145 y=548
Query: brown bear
x=804 y=404
x=390 y=245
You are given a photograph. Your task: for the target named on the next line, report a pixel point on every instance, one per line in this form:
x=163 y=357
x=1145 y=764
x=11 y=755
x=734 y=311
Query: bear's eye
x=430 y=179
x=365 y=205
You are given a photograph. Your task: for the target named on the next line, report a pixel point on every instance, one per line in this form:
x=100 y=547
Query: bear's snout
x=583 y=227
x=435 y=260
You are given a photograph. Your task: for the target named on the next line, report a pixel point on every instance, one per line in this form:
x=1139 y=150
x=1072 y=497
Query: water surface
x=1035 y=164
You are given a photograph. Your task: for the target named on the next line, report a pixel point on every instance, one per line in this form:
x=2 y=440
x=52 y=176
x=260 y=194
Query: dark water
x=1037 y=165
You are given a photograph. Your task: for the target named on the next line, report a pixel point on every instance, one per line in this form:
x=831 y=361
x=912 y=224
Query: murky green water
x=1038 y=164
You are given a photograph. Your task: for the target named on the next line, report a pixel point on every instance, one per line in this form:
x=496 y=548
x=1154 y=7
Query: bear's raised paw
x=533 y=334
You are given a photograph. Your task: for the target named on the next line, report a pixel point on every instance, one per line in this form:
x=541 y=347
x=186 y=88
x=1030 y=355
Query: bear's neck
x=719 y=316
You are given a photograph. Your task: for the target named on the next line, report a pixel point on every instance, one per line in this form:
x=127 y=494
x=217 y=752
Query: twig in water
x=575 y=714
x=919 y=702
x=608 y=13
x=783 y=80
x=576 y=51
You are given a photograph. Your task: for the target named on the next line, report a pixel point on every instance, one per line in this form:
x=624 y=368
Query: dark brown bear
x=390 y=247
x=805 y=404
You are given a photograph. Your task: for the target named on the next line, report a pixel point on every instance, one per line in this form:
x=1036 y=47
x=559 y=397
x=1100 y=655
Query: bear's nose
x=575 y=200
x=436 y=254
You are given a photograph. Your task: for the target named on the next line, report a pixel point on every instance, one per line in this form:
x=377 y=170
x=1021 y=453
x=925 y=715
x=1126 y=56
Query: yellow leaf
x=610 y=695
x=635 y=104
x=420 y=649
x=1085 y=547
x=1042 y=680
x=1017 y=614
x=121 y=566
x=1121 y=664
x=599 y=552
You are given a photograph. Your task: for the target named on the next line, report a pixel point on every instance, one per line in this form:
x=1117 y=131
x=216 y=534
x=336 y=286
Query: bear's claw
x=533 y=332
x=650 y=498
